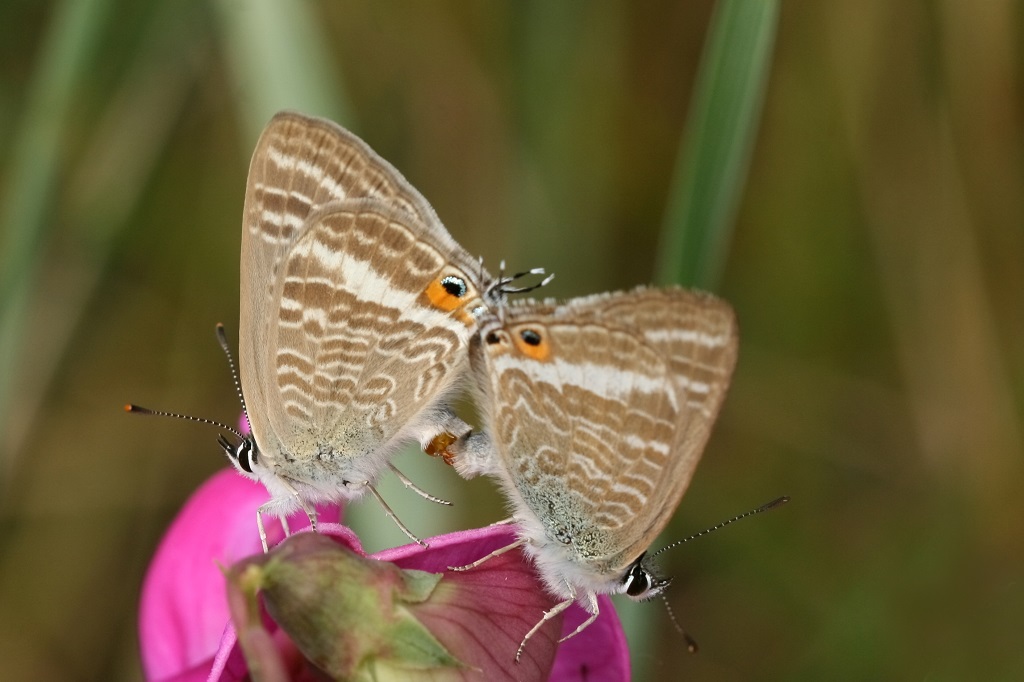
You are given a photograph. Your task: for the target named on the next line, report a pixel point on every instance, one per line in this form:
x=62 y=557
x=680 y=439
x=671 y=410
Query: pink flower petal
x=182 y=611
x=497 y=603
x=599 y=653
x=184 y=621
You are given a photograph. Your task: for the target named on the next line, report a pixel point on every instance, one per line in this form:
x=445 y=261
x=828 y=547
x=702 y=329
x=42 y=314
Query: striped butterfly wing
x=600 y=426
x=696 y=335
x=351 y=321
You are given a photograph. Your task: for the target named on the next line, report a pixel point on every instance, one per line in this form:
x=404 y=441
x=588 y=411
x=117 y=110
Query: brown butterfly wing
x=601 y=436
x=333 y=241
x=697 y=336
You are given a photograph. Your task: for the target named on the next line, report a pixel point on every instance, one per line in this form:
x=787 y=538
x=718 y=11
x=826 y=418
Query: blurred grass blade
x=278 y=54
x=66 y=56
x=103 y=190
x=717 y=142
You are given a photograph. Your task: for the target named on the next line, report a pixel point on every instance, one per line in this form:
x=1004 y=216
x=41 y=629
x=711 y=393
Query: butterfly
x=357 y=308
x=598 y=410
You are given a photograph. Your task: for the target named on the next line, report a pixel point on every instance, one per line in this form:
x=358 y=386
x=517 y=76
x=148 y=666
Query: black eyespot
x=531 y=337
x=492 y=338
x=455 y=286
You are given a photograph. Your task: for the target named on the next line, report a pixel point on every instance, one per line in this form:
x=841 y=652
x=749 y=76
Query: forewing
x=302 y=167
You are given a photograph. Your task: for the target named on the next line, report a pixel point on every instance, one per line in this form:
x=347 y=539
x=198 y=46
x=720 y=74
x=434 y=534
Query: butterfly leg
x=310 y=514
x=274 y=507
x=438 y=447
x=259 y=525
x=391 y=514
x=592 y=609
x=497 y=552
x=473 y=455
x=415 y=488
x=445 y=430
x=548 y=615
x=310 y=511
x=271 y=507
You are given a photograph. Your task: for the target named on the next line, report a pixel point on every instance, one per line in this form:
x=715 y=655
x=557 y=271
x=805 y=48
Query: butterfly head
x=640 y=582
x=244 y=456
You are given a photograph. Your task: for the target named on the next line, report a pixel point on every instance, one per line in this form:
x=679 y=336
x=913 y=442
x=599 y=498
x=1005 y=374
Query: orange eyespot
x=447 y=292
x=532 y=342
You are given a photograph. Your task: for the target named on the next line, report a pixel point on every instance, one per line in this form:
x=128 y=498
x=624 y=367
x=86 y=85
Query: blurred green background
x=875 y=260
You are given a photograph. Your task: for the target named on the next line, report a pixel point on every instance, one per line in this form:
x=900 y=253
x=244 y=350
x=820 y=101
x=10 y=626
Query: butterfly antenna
x=223 y=340
x=691 y=643
x=135 y=409
x=522 y=290
x=502 y=299
x=763 y=508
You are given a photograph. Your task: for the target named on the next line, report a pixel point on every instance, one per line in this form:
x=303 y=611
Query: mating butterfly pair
x=360 y=315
